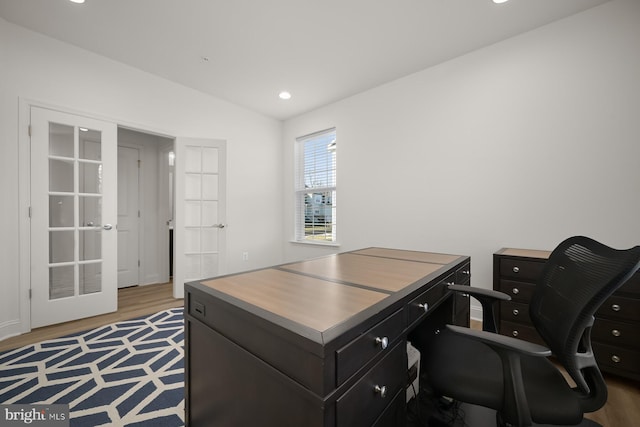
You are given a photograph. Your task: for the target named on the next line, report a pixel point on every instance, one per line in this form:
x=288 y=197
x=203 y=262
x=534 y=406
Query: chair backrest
x=578 y=277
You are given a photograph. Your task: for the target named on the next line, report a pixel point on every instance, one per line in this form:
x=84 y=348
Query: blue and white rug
x=129 y=373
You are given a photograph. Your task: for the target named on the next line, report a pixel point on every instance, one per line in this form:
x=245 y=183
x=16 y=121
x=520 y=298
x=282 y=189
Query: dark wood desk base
x=245 y=365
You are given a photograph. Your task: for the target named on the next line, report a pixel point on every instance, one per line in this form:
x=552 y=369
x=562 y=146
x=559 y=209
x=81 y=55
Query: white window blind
x=315 y=187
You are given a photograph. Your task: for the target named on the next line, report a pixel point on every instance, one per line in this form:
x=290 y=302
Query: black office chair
x=515 y=377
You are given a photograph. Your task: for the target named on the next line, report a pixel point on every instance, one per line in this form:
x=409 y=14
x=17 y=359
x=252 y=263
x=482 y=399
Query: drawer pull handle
x=383 y=342
x=516 y=311
x=514 y=333
x=467 y=272
x=515 y=291
x=615 y=333
x=516 y=269
x=381 y=390
x=615 y=307
x=424 y=306
x=465 y=295
x=615 y=358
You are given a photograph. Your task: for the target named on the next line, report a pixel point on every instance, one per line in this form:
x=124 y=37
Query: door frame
x=164 y=212
x=23 y=325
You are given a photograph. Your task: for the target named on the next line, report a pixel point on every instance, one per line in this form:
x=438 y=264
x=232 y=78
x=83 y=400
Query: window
x=315 y=189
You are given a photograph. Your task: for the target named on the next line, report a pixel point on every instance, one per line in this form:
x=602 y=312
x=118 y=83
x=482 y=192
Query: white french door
x=199 y=227
x=73 y=217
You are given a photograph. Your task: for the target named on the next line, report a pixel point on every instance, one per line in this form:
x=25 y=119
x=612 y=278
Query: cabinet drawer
x=363 y=403
x=520 y=331
x=618 y=358
x=617 y=307
x=616 y=333
x=420 y=305
x=361 y=350
x=515 y=312
x=518 y=291
x=520 y=269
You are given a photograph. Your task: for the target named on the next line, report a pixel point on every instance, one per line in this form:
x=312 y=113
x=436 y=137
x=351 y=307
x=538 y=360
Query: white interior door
x=128 y=216
x=199 y=227
x=73 y=217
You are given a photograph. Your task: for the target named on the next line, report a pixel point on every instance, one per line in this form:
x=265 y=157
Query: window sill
x=312 y=243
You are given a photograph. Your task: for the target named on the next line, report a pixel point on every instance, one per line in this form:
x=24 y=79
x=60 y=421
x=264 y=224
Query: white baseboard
x=476 y=313
x=10 y=329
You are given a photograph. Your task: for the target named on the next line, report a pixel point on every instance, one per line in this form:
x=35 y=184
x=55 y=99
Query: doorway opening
x=145 y=207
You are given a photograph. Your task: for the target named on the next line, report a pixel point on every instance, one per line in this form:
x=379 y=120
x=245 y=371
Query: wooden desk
x=315 y=343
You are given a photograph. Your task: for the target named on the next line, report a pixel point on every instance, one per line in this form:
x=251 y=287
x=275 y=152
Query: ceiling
x=247 y=51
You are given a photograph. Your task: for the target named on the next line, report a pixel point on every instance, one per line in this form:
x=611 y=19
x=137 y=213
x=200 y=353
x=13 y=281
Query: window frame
x=326 y=230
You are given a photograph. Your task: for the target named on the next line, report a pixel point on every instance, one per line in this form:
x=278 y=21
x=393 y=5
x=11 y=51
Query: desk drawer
x=463 y=274
x=616 y=333
x=395 y=415
x=356 y=354
x=420 y=305
x=519 y=269
x=363 y=403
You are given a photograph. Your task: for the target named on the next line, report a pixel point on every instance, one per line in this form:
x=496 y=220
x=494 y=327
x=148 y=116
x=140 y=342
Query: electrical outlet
x=245 y=256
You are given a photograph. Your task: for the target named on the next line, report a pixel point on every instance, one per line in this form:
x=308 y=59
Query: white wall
x=38 y=68
x=520 y=144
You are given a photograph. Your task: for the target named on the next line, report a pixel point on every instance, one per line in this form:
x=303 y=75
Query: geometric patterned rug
x=129 y=373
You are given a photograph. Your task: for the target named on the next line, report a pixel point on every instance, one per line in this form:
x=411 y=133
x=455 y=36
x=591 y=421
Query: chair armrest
x=487 y=298
x=481 y=292
x=515 y=410
x=503 y=342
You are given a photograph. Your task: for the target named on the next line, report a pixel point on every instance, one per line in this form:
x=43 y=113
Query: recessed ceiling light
x=500 y=1
x=77 y=1
x=284 y=95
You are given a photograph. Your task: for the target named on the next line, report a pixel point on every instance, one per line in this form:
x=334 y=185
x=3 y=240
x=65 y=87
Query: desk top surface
x=324 y=292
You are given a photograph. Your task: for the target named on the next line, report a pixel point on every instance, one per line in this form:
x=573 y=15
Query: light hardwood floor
x=133 y=302
x=623 y=405
x=621 y=410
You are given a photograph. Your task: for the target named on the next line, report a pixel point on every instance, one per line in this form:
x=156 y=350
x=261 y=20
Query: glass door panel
x=61 y=210
x=61 y=175
x=61 y=140
x=61 y=279
x=90 y=214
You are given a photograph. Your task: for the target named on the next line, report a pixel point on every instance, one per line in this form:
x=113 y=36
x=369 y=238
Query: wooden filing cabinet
x=616 y=332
